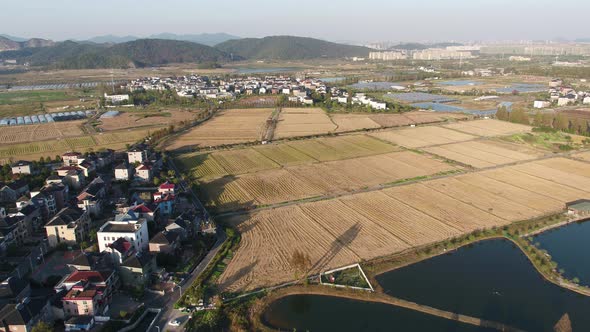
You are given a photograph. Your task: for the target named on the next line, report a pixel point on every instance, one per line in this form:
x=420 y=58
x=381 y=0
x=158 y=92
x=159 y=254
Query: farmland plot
x=541 y=203
x=422 y=136
x=203 y=165
x=482 y=154
x=268 y=241
x=277 y=186
x=303 y=122
x=447 y=209
x=501 y=207
x=360 y=235
x=573 y=176
x=336 y=177
x=243 y=161
x=489 y=127
x=351 y=122
x=535 y=184
x=284 y=154
x=228 y=127
x=402 y=221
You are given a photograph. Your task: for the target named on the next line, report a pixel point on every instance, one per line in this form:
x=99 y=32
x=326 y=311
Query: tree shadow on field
x=235 y=278
x=337 y=245
x=215 y=193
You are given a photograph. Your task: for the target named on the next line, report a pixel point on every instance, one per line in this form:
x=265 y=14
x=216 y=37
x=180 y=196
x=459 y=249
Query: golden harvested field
x=303 y=122
x=284 y=154
x=360 y=220
x=115 y=140
x=362 y=226
x=489 y=127
x=265 y=157
x=39 y=132
x=481 y=154
x=351 y=122
x=422 y=136
x=227 y=127
x=134 y=119
x=305 y=181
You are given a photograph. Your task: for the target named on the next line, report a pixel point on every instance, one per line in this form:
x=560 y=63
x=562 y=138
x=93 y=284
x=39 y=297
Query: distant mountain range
x=154 y=52
x=138 y=53
x=7 y=44
x=209 y=39
x=289 y=48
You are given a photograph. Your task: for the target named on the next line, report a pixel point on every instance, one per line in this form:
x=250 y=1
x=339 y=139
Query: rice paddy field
x=355 y=121
x=423 y=136
x=115 y=140
x=361 y=226
x=265 y=157
x=351 y=198
x=489 y=127
x=227 y=127
x=37 y=132
x=303 y=122
x=485 y=153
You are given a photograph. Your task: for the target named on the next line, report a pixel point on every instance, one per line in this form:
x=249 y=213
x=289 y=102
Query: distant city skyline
x=344 y=20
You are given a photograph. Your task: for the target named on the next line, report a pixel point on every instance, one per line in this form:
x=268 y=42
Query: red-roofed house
x=167 y=187
x=164 y=202
x=143 y=211
x=143 y=172
x=88 y=292
x=83 y=299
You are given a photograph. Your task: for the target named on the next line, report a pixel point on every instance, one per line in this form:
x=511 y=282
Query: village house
x=91 y=198
x=136 y=270
x=143 y=173
x=23 y=316
x=132 y=229
x=69 y=225
x=22 y=167
x=137 y=155
x=88 y=292
x=123 y=172
x=165 y=242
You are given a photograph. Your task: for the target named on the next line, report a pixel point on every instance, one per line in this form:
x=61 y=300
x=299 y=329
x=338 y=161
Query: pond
x=332 y=79
x=440 y=107
x=379 y=86
x=568 y=246
x=327 y=313
x=522 y=87
x=459 y=83
x=492 y=280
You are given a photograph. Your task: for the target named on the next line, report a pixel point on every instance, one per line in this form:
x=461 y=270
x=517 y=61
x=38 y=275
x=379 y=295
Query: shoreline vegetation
x=519 y=233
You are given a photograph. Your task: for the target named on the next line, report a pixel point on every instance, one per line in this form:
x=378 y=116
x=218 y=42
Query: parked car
x=174 y=322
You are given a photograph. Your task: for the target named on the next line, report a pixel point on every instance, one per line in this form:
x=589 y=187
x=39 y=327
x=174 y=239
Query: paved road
x=167 y=301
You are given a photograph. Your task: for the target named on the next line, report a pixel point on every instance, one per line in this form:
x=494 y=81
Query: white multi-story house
x=123 y=172
x=116 y=98
x=136 y=155
x=22 y=167
x=126 y=226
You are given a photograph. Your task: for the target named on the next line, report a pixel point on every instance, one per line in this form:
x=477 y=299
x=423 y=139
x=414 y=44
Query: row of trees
x=559 y=121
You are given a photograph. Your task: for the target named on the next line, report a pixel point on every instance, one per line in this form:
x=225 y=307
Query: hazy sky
x=360 y=20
